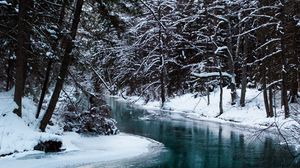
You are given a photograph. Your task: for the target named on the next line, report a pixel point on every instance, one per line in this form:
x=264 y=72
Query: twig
x=286 y=141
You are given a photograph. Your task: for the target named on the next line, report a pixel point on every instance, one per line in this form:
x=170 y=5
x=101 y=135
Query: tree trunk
x=271 y=112
x=221 y=89
x=284 y=96
x=62 y=14
x=265 y=92
x=294 y=72
x=244 y=74
x=44 y=89
x=221 y=93
x=64 y=67
x=50 y=61
x=23 y=43
x=9 y=75
x=218 y=64
x=231 y=67
x=292 y=32
x=244 y=86
x=294 y=92
x=208 y=96
x=162 y=62
x=284 y=54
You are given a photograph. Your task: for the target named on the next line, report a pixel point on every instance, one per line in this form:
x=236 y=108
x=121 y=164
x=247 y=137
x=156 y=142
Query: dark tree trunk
x=271 y=112
x=294 y=92
x=244 y=86
x=265 y=92
x=284 y=95
x=64 y=67
x=23 y=47
x=9 y=75
x=208 y=96
x=295 y=70
x=292 y=40
x=62 y=14
x=50 y=61
x=284 y=55
x=44 y=89
x=221 y=91
x=244 y=75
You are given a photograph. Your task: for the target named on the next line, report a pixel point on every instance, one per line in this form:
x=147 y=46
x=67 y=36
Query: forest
x=67 y=55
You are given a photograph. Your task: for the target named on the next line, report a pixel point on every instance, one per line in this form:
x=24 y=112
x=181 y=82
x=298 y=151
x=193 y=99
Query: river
x=198 y=144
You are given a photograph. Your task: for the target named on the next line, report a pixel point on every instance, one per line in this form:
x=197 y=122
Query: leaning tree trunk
x=50 y=61
x=44 y=89
x=64 y=67
x=23 y=43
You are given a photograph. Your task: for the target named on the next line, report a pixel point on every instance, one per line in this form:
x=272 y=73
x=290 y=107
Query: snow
x=3 y=2
x=253 y=115
x=85 y=150
x=20 y=135
x=211 y=74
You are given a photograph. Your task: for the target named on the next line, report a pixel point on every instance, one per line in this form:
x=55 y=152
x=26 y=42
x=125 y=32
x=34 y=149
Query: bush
x=96 y=121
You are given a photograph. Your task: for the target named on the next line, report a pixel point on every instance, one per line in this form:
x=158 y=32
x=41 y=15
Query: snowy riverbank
x=253 y=115
x=85 y=150
x=18 y=136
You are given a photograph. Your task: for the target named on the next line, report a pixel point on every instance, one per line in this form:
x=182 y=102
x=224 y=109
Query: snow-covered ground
x=20 y=135
x=253 y=115
x=85 y=150
x=16 y=134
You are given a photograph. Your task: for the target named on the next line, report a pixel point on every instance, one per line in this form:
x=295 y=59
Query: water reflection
x=200 y=144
